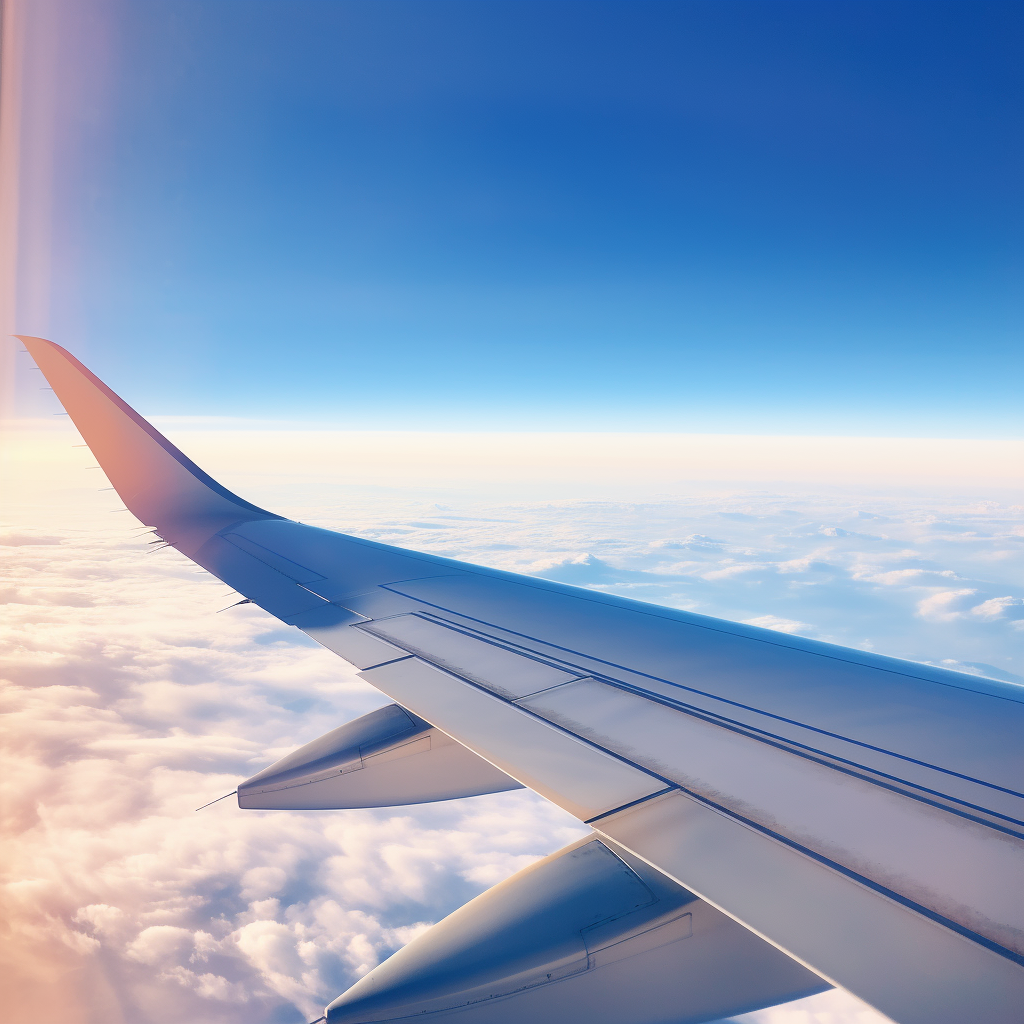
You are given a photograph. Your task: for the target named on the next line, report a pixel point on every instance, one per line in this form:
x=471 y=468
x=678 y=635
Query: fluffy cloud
x=774 y=622
x=128 y=710
x=130 y=702
x=1007 y=606
x=19 y=538
x=946 y=605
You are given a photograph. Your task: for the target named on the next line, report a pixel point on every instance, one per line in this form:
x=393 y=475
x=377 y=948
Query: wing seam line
x=725 y=700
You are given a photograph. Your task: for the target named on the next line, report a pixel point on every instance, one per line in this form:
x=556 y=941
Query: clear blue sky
x=726 y=216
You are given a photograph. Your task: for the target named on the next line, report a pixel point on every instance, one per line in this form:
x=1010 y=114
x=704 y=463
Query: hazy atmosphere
x=714 y=305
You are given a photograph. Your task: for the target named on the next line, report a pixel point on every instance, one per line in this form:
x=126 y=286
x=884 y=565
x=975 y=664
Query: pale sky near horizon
x=681 y=301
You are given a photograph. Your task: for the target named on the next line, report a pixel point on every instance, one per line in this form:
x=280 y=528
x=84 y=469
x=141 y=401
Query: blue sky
x=769 y=217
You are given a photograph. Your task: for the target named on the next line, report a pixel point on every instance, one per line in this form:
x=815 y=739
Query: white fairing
x=583 y=935
x=863 y=815
x=385 y=758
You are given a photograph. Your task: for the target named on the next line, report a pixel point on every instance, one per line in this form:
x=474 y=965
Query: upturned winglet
x=158 y=483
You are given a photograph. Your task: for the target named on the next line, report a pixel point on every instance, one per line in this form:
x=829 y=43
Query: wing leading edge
x=862 y=814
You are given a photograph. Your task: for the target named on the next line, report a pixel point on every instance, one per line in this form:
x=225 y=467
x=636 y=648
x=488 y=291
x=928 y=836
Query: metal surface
x=915 y=970
x=584 y=780
x=498 y=668
x=958 y=723
x=839 y=816
x=386 y=758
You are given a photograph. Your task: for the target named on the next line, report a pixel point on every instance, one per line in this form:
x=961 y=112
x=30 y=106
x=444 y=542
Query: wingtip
x=29 y=339
x=33 y=344
x=157 y=482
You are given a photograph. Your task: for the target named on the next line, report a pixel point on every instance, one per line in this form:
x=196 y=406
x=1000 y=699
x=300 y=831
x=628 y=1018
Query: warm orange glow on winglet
x=158 y=484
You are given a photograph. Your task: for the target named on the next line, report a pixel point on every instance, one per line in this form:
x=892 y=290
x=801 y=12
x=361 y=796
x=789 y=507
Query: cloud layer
x=130 y=702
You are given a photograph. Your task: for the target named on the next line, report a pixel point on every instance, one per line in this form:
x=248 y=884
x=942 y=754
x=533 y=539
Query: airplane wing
x=770 y=815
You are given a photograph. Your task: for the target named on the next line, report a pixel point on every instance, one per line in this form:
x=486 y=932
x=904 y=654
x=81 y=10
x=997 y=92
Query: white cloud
x=159 y=944
x=732 y=570
x=946 y=605
x=997 y=607
x=21 y=538
x=896 y=577
x=777 y=623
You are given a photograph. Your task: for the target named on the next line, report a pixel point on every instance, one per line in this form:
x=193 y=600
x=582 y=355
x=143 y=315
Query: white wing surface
x=862 y=818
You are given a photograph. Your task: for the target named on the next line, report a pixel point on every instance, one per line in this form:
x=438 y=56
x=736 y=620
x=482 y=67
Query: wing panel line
x=823 y=757
x=726 y=700
x=670 y=785
x=882 y=890
x=865 y=772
